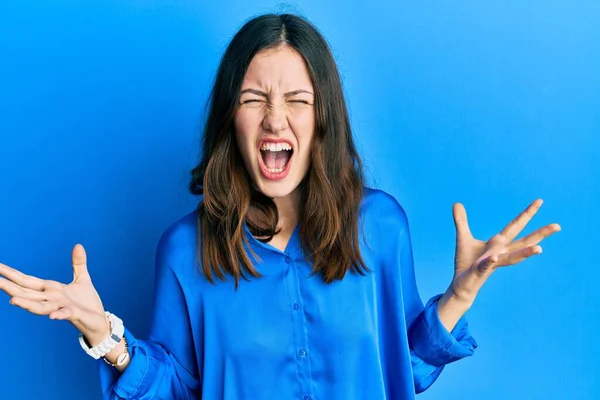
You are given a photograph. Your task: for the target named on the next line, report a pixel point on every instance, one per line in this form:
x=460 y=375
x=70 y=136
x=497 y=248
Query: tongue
x=276 y=159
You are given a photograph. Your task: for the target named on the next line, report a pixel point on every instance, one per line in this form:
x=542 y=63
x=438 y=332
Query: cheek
x=304 y=130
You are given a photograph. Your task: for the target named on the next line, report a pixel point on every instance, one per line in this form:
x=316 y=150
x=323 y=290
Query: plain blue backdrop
x=490 y=103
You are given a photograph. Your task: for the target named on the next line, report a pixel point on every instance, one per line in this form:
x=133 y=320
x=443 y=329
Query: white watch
x=117 y=331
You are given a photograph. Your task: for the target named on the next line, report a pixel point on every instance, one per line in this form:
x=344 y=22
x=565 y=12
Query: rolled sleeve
x=432 y=342
x=136 y=375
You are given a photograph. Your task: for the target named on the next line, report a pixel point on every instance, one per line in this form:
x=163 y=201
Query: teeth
x=275 y=170
x=270 y=146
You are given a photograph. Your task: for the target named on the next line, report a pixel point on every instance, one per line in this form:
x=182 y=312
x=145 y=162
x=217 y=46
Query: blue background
x=491 y=103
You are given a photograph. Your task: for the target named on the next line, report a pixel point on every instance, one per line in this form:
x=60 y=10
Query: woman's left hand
x=476 y=260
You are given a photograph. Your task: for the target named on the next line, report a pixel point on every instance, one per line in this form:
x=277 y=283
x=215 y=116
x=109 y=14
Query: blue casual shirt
x=289 y=335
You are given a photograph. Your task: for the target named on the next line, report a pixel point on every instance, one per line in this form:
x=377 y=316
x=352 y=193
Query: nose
x=275 y=119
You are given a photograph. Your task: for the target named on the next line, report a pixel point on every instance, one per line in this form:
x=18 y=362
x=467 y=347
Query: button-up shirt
x=288 y=334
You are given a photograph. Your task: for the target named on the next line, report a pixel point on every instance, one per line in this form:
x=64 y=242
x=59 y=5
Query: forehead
x=280 y=68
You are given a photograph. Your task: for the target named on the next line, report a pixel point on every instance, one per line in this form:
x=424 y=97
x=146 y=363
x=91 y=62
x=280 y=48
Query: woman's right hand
x=78 y=302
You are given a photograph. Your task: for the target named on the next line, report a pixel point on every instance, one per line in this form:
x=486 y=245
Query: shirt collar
x=293 y=248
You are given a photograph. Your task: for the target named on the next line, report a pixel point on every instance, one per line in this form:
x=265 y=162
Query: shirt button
x=296 y=306
x=302 y=353
x=307 y=397
x=288 y=259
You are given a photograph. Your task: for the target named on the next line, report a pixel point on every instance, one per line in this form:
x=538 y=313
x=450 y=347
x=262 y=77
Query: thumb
x=79 y=262
x=460 y=222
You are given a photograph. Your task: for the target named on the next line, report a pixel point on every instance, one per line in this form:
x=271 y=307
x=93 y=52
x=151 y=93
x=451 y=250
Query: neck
x=288 y=207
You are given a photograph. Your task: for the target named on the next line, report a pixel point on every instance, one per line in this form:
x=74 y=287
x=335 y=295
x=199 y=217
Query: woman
x=291 y=280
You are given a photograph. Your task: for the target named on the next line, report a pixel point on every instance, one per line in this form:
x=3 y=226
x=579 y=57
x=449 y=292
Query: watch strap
x=117 y=330
x=122 y=358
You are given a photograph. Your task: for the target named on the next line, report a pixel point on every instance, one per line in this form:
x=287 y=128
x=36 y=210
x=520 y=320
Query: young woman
x=291 y=280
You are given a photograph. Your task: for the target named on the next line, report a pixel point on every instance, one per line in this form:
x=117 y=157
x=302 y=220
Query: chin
x=276 y=190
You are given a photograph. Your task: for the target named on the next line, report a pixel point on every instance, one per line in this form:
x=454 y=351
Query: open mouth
x=275 y=156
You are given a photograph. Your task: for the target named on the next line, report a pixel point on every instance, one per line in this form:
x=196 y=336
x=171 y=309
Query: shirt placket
x=302 y=348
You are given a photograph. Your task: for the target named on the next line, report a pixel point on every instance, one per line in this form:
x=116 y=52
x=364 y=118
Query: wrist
x=459 y=304
x=451 y=309
x=115 y=336
x=119 y=356
x=98 y=336
x=459 y=297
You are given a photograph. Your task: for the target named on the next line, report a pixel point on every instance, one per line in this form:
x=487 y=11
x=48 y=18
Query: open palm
x=77 y=302
x=475 y=260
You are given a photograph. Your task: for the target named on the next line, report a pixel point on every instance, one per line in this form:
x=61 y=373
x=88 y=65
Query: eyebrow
x=288 y=94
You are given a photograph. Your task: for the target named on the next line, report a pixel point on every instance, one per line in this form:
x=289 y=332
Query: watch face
x=122 y=358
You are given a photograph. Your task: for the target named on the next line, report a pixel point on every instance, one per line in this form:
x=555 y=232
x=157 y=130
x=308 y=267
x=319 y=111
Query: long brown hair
x=331 y=191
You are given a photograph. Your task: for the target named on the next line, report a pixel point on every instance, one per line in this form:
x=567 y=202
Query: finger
x=487 y=264
x=460 y=221
x=79 y=259
x=534 y=238
x=35 y=307
x=512 y=230
x=64 y=313
x=514 y=257
x=26 y=281
x=12 y=289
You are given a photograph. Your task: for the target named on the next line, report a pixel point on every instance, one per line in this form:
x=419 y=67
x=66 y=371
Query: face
x=275 y=121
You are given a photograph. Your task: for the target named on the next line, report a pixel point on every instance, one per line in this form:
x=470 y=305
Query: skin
x=277 y=101
x=476 y=260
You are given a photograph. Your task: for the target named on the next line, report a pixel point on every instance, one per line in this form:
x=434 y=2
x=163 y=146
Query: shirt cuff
x=136 y=374
x=432 y=342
